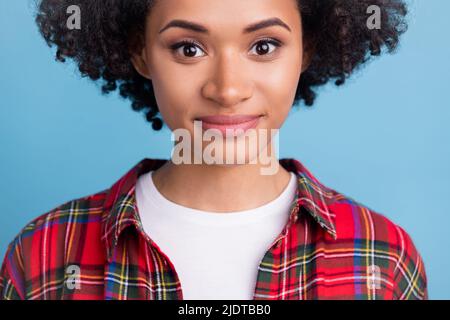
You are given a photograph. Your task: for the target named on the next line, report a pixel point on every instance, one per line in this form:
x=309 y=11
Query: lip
x=228 y=120
x=230 y=123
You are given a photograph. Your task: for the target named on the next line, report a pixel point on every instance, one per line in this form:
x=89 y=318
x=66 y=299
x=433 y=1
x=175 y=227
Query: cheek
x=280 y=85
x=172 y=107
x=173 y=94
x=284 y=76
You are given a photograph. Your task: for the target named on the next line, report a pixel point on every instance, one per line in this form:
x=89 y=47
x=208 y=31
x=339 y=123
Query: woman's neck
x=217 y=188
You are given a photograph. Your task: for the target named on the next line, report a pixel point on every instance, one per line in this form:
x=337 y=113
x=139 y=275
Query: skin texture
x=228 y=75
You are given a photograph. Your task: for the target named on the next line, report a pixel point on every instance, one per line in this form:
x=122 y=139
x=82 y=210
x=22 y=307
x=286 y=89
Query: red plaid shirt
x=95 y=248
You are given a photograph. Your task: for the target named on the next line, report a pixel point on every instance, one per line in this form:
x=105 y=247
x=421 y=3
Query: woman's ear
x=139 y=62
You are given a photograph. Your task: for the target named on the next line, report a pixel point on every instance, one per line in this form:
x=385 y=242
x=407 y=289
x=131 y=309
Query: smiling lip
x=232 y=123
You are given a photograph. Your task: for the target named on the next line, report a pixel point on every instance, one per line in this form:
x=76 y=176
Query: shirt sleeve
x=410 y=279
x=11 y=273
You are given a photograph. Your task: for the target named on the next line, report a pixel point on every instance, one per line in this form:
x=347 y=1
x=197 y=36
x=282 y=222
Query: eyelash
x=277 y=43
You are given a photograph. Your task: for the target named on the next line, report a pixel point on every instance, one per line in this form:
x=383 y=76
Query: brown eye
x=190 y=49
x=266 y=46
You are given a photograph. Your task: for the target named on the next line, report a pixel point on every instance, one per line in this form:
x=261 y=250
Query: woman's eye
x=187 y=49
x=263 y=47
x=190 y=49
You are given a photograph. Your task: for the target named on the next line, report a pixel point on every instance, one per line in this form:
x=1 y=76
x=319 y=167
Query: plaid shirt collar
x=120 y=210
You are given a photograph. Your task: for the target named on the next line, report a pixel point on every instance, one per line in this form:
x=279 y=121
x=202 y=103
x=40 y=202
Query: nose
x=229 y=83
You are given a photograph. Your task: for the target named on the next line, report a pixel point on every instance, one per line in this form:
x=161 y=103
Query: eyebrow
x=184 y=24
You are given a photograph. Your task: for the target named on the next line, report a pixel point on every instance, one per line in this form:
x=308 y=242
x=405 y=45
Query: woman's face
x=223 y=57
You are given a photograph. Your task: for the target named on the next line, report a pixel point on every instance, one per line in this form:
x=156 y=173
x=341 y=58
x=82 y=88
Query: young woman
x=171 y=229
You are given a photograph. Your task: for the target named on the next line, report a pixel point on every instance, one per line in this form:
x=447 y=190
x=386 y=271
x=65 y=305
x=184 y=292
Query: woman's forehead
x=224 y=14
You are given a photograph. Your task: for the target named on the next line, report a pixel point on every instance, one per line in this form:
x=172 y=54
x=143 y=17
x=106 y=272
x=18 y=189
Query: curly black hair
x=336 y=29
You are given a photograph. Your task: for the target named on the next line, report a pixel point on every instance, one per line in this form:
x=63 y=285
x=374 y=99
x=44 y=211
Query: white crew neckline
x=261 y=213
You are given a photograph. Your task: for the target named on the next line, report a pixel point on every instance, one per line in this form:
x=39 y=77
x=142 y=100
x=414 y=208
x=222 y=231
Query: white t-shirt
x=216 y=255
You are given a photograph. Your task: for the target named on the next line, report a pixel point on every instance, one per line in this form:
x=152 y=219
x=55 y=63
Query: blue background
x=382 y=139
